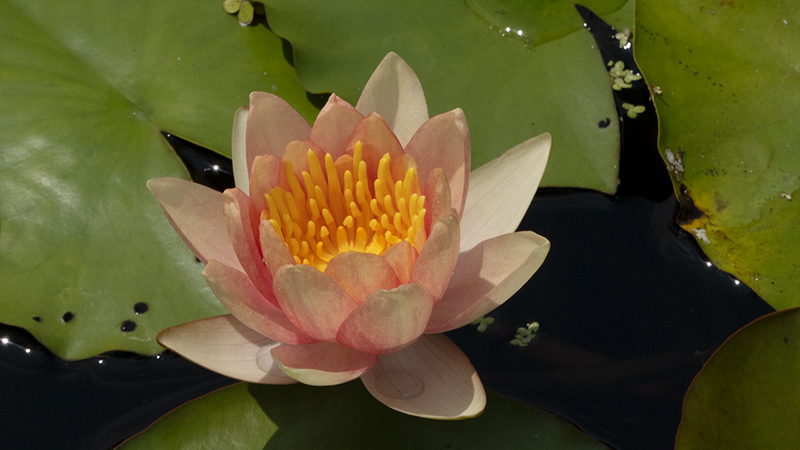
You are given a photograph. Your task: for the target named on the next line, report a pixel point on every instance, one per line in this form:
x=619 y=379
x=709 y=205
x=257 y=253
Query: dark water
x=628 y=308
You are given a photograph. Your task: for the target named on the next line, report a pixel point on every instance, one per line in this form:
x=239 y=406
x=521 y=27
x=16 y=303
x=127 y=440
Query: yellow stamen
x=331 y=212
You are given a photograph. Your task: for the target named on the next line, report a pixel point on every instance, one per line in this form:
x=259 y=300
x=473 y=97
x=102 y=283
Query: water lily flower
x=348 y=247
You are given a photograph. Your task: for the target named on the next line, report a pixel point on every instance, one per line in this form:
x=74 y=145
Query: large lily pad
x=85 y=88
x=517 y=69
x=251 y=416
x=728 y=111
x=747 y=395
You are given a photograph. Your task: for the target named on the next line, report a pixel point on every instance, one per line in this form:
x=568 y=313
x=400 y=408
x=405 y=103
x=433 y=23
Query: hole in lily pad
x=37 y=319
x=127 y=326
x=140 y=308
x=604 y=123
x=67 y=317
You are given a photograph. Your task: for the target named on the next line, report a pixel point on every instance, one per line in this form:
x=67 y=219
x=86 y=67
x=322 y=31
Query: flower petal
x=264 y=175
x=334 y=124
x=226 y=346
x=443 y=142
x=239 y=149
x=196 y=213
x=276 y=253
x=438 y=257
x=501 y=191
x=271 y=125
x=323 y=363
x=242 y=237
x=361 y=274
x=431 y=379
x=437 y=197
x=401 y=257
x=486 y=276
x=388 y=320
x=312 y=301
x=394 y=92
x=377 y=140
x=241 y=298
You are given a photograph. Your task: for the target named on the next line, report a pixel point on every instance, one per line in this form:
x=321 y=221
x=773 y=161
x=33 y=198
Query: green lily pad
x=747 y=395
x=728 y=110
x=251 y=416
x=516 y=68
x=85 y=88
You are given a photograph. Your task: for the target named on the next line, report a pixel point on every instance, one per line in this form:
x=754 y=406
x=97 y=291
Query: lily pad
x=516 y=68
x=252 y=416
x=88 y=262
x=747 y=395
x=728 y=109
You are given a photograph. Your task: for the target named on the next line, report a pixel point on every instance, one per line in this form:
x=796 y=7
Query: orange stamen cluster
x=328 y=215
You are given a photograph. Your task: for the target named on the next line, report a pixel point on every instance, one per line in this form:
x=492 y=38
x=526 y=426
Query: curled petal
x=361 y=274
x=323 y=363
x=377 y=140
x=264 y=175
x=312 y=301
x=401 y=257
x=196 y=213
x=226 y=346
x=388 y=321
x=241 y=298
x=432 y=378
x=394 y=92
x=486 y=276
x=242 y=236
x=239 y=149
x=438 y=257
x=334 y=124
x=271 y=125
x=501 y=191
x=443 y=142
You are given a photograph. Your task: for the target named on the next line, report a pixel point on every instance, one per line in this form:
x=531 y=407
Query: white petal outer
x=224 y=345
x=394 y=92
x=431 y=379
x=486 y=276
x=239 y=151
x=196 y=213
x=501 y=191
x=322 y=363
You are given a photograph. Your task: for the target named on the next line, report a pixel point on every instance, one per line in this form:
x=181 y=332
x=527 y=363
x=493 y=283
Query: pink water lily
x=349 y=246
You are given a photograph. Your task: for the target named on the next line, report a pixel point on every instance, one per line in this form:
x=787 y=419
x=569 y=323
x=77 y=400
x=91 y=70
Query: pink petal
x=242 y=236
x=443 y=142
x=312 y=301
x=276 y=253
x=438 y=257
x=264 y=175
x=226 y=346
x=388 y=321
x=323 y=363
x=361 y=274
x=271 y=125
x=196 y=213
x=437 y=197
x=297 y=153
x=377 y=139
x=239 y=296
x=334 y=124
x=501 y=191
x=486 y=276
x=241 y=174
x=431 y=379
x=401 y=257
x=394 y=92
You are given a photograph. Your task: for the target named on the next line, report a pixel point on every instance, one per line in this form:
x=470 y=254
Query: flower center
x=338 y=211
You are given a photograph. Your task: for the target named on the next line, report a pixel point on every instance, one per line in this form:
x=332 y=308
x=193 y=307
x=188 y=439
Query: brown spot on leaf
x=721 y=204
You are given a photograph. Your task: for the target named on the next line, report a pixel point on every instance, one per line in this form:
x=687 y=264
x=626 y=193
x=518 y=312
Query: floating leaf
x=85 y=88
x=729 y=100
x=251 y=416
x=517 y=69
x=747 y=395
